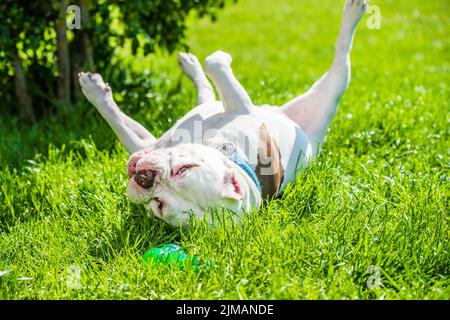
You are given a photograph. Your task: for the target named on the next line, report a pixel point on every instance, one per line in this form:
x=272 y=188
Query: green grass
x=377 y=196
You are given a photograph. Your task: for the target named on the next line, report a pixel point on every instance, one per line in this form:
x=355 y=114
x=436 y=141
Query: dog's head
x=187 y=179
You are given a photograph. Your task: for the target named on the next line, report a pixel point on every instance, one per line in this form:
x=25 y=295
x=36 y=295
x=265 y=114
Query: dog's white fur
x=188 y=170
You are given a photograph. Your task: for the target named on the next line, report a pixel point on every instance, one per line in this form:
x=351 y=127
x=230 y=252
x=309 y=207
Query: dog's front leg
x=193 y=69
x=234 y=97
x=131 y=134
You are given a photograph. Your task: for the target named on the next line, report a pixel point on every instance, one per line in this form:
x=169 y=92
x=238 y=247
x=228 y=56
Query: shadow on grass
x=137 y=231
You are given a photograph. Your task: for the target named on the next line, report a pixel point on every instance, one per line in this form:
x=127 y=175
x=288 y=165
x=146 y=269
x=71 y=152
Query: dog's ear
x=269 y=170
x=230 y=188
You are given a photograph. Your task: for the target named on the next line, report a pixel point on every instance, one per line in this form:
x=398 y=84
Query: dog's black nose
x=145 y=178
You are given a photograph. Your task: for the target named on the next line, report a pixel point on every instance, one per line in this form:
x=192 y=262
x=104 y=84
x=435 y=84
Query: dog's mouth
x=159 y=206
x=236 y=185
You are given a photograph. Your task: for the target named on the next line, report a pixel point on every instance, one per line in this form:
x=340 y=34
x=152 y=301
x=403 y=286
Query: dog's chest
x=271 y=144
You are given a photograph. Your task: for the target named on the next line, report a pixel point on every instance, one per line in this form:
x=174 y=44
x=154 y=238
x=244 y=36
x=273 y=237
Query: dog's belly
x=208 y=124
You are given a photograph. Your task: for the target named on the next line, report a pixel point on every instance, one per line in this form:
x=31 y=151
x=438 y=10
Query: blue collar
x=244 y=166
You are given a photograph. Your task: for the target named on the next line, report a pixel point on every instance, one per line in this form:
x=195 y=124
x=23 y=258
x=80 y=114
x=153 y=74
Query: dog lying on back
x=226 y=154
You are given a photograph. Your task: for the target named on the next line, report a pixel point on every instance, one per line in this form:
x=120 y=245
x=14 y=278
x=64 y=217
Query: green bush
x=40 y=58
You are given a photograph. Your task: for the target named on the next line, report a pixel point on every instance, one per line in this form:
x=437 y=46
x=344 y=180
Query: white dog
x=228 y=153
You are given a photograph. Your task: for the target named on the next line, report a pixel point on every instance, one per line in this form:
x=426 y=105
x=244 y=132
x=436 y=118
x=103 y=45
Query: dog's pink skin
x=147 y=163
x=131 y=165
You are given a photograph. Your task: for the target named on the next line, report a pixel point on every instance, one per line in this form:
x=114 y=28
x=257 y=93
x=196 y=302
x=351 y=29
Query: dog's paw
x=216 y=60
x=94 y=88
x=189 y=64
x=354 y=11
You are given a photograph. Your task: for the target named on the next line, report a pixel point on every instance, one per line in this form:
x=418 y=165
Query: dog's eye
x=181 y=170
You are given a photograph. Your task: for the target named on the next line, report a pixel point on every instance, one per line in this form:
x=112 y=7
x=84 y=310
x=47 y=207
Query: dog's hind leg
x=315 y=110
x=234 y=97
x=193 y=69
x=131 y=134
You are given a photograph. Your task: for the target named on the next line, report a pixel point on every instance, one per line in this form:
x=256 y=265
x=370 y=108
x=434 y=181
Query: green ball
x=173 y=255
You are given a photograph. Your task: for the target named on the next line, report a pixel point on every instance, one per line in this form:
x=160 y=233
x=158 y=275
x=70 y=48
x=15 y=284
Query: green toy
x=171 y=254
